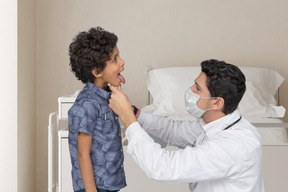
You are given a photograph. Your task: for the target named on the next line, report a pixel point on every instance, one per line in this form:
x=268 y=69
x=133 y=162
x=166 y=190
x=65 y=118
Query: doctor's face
x=201 y=89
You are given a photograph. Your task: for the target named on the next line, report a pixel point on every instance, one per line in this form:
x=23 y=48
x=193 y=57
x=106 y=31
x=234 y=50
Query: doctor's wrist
x=128 y=118
x=136 y=111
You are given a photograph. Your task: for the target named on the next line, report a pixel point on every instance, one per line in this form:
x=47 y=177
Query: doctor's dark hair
x=225 y=80
x=90 y=50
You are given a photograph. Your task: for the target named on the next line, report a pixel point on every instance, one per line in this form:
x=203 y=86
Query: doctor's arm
x=178 y=133
x=174 y=132
x=192 y=164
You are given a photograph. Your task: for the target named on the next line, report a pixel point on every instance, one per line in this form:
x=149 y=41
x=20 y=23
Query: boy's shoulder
x=87 y=96
x=85 y=102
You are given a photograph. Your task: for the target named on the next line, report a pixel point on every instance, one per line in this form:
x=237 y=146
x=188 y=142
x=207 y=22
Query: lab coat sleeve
x=192 y=164
x=176 y=133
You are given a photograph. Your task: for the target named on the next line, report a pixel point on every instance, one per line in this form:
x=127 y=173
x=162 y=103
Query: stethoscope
x=232 y=123
x=193 y=145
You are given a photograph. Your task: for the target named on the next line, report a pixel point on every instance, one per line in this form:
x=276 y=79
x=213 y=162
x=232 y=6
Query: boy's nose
x=123 y=62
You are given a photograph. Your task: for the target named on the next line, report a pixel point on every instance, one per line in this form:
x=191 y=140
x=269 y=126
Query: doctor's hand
x=120 y=104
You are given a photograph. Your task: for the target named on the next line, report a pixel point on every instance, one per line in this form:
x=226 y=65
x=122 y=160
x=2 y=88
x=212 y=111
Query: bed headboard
x=262 y=98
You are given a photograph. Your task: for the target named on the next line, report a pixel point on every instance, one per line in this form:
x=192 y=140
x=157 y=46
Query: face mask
x=191 y=100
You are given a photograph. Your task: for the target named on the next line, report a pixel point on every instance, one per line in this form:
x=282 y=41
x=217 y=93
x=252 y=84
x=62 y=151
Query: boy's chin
x=114 y=85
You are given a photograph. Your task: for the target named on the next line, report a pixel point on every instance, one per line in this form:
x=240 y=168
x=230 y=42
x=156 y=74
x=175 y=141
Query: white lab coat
x=219 y=161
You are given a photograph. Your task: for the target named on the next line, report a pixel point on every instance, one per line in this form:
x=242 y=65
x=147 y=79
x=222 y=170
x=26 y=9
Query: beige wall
x=8 y=96
x=157 y=33
x=27 y=96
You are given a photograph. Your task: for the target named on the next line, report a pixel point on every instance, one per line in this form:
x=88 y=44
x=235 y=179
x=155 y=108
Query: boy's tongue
x=122 y=79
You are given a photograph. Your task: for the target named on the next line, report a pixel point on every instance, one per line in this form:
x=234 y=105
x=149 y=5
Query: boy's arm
x=84 y=147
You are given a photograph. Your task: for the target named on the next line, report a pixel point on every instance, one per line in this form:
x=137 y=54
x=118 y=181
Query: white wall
x=8 y=96
x=158 y=33
x=18 y=96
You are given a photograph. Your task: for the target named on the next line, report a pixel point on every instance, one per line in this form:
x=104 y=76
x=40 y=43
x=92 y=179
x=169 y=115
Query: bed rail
x=280 y=125
x=53 y=128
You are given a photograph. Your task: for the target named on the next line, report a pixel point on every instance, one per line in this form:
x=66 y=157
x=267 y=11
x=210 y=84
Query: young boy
x=95 y=142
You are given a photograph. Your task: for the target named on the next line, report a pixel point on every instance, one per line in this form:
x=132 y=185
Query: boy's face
x=111 y=73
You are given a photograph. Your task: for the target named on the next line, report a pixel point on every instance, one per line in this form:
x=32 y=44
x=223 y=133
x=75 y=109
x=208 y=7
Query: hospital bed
x=165 y=97
x=260 y=103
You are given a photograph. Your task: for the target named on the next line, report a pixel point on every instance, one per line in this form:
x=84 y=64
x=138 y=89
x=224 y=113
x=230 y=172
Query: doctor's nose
x=193 y=87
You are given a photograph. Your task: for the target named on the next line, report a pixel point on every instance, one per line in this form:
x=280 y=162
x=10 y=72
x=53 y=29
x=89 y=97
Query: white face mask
x=191 y=100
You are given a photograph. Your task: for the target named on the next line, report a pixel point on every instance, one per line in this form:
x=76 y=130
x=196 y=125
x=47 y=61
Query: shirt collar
x=220 y=124
x=98 y=91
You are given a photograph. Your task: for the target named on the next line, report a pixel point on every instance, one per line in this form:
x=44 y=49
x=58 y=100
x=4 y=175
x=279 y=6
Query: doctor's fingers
x=116 y=89
x=121 y=102
x=113 y=103
x=118 y=94
x=119 y=106
x=113 y=107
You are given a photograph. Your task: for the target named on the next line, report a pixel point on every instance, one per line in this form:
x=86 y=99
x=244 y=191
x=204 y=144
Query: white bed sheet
x=270 y=135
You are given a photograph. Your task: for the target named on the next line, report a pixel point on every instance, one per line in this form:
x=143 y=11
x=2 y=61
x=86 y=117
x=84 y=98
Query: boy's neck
x=101 y=85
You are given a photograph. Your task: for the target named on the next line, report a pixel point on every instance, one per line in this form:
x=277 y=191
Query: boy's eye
x=115 y=59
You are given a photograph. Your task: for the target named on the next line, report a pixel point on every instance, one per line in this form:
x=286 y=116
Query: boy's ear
x=95 y=73
x=218 y=103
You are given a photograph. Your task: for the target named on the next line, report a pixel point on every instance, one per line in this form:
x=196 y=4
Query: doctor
x=221 y=150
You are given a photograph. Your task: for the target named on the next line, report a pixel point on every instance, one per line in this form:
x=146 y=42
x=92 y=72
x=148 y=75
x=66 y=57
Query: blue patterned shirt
x=91 y=114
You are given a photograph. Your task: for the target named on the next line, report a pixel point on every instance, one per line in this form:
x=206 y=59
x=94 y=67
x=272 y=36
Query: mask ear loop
x=209 y=97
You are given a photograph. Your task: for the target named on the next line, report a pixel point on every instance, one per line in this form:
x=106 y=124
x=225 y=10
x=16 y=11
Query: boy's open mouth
x=122 y=79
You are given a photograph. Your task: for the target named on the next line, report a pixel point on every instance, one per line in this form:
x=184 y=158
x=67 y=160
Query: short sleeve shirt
x=91 y=114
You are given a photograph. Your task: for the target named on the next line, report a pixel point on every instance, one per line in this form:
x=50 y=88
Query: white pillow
x=255 y=104
x=167 y=86
x=266 y=81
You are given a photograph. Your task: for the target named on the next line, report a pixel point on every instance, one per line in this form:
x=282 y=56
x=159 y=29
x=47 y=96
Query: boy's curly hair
x=90 y=50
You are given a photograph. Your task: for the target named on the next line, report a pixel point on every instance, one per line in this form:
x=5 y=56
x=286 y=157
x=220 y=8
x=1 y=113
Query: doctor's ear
x=95 y=73
x=218 y=103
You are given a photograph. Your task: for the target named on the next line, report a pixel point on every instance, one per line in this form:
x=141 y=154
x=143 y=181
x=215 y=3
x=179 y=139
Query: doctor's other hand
x=120 y=104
